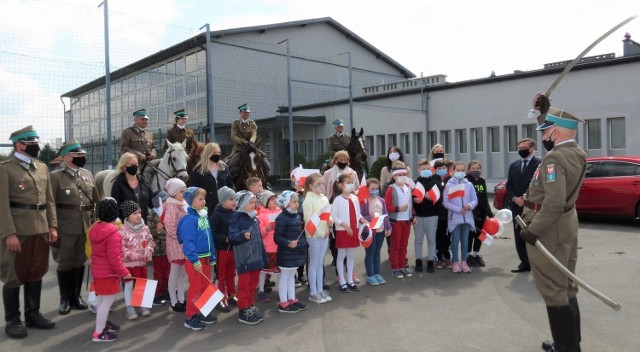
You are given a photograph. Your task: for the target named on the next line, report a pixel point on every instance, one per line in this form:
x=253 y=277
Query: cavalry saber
x=584 y=52
x=608 y=301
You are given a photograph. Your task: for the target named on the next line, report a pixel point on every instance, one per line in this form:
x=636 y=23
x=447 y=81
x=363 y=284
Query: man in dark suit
x=520 y=175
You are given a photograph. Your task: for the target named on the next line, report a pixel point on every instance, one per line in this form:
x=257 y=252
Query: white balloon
x=504 y=216
x=500 y=229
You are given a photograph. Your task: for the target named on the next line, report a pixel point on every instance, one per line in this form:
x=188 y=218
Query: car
x=611 y=188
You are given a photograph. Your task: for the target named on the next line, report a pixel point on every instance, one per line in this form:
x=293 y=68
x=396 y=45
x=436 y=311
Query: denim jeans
x=460 y=234
x=372 y=254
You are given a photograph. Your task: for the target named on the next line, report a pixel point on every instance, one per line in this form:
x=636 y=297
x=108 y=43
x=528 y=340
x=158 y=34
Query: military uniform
x=138 y=141
x=242 y=133
x=178 y=135
x=27 y=210
x=75 y=196
x=338 y=141
x=550 y=210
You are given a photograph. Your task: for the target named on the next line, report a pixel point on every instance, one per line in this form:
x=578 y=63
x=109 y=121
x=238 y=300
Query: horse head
x=357 y=147
x=176 y=158
x=194 y=155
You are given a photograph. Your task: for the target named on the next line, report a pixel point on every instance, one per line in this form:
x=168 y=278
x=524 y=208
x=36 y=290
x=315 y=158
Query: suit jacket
x=135 y=141
x=518 y=182
x=65 y=186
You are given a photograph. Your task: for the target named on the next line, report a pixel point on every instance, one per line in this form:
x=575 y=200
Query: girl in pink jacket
x=174 y=209
x=267 y=217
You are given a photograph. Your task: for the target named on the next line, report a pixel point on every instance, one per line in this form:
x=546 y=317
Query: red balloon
x=491 y=226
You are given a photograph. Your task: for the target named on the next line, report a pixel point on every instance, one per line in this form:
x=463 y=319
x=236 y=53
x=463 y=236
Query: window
x=617 y=133
x=369 y=144
x=382 y=149
x=406 y=143
x=202 y=84
x=529 y=131
x=393 y=140
x=179 y=88
x=593 y=133
x=433 y=138
x=461 y=140
x=320 y=146
x=191 y=62
x=180 y=66
x=512 y=138
x=192 y=85
x=417 y=142
x=478 y=143
x=494 y=139
x=445 y=138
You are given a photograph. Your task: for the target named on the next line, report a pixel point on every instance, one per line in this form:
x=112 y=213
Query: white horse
x=172 y=164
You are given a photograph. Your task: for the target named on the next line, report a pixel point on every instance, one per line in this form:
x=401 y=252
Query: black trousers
x=443 y=241
x=521 y=245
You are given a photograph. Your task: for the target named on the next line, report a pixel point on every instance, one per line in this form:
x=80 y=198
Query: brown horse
x=358 y=153
x=194 y=155
x=251 y=165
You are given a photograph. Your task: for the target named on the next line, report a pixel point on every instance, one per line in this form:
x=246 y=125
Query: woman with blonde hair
x=211 y=174
x=436 y=153
x=130 y=185
x=340 y=165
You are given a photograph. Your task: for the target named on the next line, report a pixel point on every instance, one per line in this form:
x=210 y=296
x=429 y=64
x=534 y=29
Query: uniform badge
x=22 y=185
x=67 y=191
x=551 y=173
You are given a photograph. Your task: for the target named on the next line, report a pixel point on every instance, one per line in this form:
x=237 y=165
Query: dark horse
x=194 y=155
x=251 y=165
x=357 y=155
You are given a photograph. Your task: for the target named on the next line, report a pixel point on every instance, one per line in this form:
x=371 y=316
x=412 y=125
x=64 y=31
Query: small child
x=137 y=249
x=345 y=212
x=224 y=248
x=443 y=239
x=196 y=238
x=427 y=214
x=267 y=216
x=460 y=199
x=254 y=185
x=249 y=255
x=480 y=213
x=400 y=207
x=174 y=210
x=292 y=250
x=160 y=263
x=106 y=267
x=372 y=208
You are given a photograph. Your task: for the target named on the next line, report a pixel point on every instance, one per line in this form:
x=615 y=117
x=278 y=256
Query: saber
x=608 y=301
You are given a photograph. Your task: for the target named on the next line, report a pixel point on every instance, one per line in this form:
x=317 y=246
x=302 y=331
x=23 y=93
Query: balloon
x=504 y=216
x=500 y=229
x=491 y=226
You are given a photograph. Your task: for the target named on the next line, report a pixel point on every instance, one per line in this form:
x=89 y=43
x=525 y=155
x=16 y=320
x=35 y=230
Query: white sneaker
x=145 y=312
x=317 y=298
x=130 y=313
x=325 y=295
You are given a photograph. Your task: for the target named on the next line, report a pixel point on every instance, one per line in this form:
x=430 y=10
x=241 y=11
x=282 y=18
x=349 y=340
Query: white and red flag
x=314 y=221
x=363 y=191
x=143 y=293
x=485 y=238
x=208 y=299
x=377 y=222
x=456 y=191
x=434 y=193
x=300 y=174
x=418 y=191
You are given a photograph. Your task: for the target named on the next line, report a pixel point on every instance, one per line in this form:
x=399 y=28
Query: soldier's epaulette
x=57 y=171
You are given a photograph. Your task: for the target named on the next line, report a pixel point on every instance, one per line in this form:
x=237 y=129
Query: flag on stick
x=208 y=299
x=434 y=193
x=485 y=238
x=377 y=222
x=456 y=191
x=314 y=221
x=363 y=191
x=418 y=191
x=143 y=293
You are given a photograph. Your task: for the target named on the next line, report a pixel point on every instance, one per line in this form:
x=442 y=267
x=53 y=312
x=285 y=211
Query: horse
x=172 y=164
x=251 y=165
x=357 y=154
x=194 y=155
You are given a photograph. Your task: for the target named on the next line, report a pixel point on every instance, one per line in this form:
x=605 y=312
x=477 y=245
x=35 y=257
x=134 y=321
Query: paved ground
x=490 y=309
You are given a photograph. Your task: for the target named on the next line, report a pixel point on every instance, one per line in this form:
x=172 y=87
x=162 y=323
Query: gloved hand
x=529 y=237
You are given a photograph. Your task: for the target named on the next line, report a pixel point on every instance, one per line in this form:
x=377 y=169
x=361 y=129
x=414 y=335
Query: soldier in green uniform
x=138 y=140
x=550 y=210
x=179 y=132
x=244 y=131
x=339 y=140
x=27 y=226
x=75 y=195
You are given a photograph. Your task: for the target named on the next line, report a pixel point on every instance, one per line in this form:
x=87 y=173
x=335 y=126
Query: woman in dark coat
x=211 y=174
x=129 y=185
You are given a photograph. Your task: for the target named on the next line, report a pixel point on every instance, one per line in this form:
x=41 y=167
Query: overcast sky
x=464 y=39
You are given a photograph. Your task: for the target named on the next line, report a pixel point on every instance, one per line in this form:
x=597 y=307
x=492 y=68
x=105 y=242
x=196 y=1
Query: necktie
x=524 y=165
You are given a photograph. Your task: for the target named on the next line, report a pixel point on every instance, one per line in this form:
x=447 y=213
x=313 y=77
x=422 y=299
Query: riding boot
x=563 y=329
x=64 y=283
x=573 y=303
x=32 y=315
x=75 y=295
x=11 y=300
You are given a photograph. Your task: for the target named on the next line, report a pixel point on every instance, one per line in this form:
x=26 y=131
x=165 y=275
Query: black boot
x=573 y=303
x=32 y=316
x=11 y=300
x=563 y=329
x=430 y=268
x=75 y=295
x=419 y=265
x=64 y=283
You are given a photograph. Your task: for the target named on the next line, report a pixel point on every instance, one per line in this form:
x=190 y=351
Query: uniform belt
x=74 y=207
x=536 y=207
x=28 y=206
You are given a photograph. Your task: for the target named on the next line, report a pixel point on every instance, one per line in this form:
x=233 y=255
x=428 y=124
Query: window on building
x=302 y=149
x=406 y=143
x=494 y=136
x=171 y=69
x=192 y=85
x=170 y=90
x=445 y=140
x=202 y=109
x=478 y=142
x=433 y=138
x=180 y=67
x=202 y=59
x=594 y=133
x=461 y=141
x=380 y=143
x=617 y=138
x=202 y=83
x=320 y=146
x=192 y=107
x=529 y=131
x=191 y=62
x=512 y=138
x=392 y=139
x=368 y=143
x=179 y=88
x=417 y=142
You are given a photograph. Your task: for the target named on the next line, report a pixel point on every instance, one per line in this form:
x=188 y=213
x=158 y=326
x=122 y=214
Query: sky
x=48 y=47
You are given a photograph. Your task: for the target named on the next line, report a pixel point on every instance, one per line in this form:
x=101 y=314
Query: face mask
x=548 y=143
x=291 y=211
x=181 y=126
x=203 y=212
x=523 y=153
x=438 y=155
x=459 y=175
x=441 y=172
x=252 y=214
x=394 y=156
x=132 y=170
x=341 y=165
x=374 y=192
x=215 y=158
x=475 y=174
x=426 y=173
x=79 y=161
x=319 y=188
x=349 y=187
x=32 y=150
x=400 y=180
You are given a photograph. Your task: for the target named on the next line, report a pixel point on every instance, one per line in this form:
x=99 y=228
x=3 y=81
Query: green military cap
x=338 y=122
x=244 y=108
x=560 y=118
x=181 y=114
x=141 y=113
x=71 y=146
x=26 y=134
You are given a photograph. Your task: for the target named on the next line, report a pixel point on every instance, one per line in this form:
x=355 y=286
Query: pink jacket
x=173 y=211
x=106 y=251
x=267 y=236
x=137 y=245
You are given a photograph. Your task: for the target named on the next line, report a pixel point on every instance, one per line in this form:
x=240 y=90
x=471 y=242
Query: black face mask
x=523 y=153
x=215 y=158
x=341 y=165
x=548 y=143
x=32 y=150
x=438 y=155
x=132 y=170
x=79 y=161
x=475 y=174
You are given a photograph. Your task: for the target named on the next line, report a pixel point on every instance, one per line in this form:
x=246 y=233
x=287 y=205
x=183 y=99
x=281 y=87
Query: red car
x=611 y=188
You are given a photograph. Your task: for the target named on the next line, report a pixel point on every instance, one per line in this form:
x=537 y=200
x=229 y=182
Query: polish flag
x=315 y=220
x=434 y=193
x=300 y=174
x=363 y=192
x=456 y=191
x=418 y=191
x=485 y=238
x=209 y=299
x=143 y=293
x=377 y=222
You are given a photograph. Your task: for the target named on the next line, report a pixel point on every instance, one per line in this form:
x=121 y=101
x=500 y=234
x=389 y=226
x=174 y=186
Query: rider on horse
x=339 y=140
x=179 y=132
x=244 y=131
x=138 y=140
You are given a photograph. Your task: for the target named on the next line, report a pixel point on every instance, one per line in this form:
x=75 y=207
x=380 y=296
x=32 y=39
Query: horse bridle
x=164 y=175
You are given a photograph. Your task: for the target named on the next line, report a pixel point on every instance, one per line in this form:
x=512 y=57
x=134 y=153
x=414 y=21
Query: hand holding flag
x=377 y=222
x=314 y=221
x=418 y=192
x=433 y=194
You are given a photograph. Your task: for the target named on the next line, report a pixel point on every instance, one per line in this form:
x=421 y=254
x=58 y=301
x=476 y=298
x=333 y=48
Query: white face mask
x=349 y=187
x=203 y=212
x=181 y=126
x=394 y=156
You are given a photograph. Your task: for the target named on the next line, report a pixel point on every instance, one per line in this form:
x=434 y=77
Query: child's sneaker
x=317 y=298
x=145 y=312
x=130 y=313
x=406 y=273
x=246 y=316
x=353 y=287
x=449 y=264
x=355 y=279
x=430 y=269
x=194 y=323
x=256 y=312
x=371 y=280
x=325 y=295
x=158 y=301
x=439 y=264
x=465 y=267
x=397 y=274
x=480 y=261
x=289 y=308
x=471 y=261
x=456 y=267
x=177 y=308
x=297 y=303
x=111 y=327
x=209 y=319
x=105 y=336
x=263 y=297
x=380 y=279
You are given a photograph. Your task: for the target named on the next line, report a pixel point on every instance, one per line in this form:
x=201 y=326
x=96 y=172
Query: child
x=426 y=211
x=254 y=185
x=443 y=239
x=160 y=262
x=106 y=267
x=174 y=210
x=480 y=213
x=372 y=208
x=249 y=255
x=224 y=248
x=460 y=198
x=345 y=212
x=400 y=207
x=197 y=244
x=318 y=241
x=292 y=251
x=267 y=216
